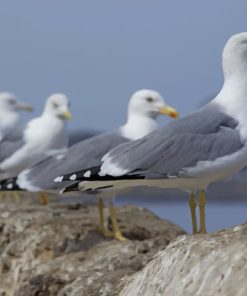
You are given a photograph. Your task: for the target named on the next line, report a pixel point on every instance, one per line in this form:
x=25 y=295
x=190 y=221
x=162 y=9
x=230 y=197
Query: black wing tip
x=10 y=184
x=90 y=174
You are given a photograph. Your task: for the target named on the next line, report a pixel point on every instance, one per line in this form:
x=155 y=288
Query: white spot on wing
x=10 y=186
x=87 y=174
x=73 y=177
x=58 y=179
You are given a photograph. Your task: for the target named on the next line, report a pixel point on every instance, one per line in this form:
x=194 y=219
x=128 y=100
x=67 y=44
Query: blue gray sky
x=99 y=52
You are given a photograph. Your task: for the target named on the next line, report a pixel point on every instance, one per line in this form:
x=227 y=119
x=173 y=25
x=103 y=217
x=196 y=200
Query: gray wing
x=204 y=135
x=11 y=142
x=82 y=155
x=7 y=148
x=14 y=135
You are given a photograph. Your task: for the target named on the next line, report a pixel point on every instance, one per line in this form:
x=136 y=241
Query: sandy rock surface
x=56 y=250
x=201 y=265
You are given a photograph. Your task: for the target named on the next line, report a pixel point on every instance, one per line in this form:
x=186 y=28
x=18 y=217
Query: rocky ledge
x=56 y=250
x=201 y=265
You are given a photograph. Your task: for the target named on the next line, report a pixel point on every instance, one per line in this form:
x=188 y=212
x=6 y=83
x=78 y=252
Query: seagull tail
x=91 y=187
x=10 y=184
x=71 y=188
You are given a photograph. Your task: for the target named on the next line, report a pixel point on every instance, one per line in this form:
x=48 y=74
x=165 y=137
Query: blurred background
x=100 y=52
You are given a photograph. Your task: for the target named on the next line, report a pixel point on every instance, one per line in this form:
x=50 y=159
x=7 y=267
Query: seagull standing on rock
x=10 y=109
x=191 y=153
x=144 y=107
x=42 y=137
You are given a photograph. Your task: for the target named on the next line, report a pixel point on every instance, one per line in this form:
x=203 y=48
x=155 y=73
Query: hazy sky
x=99 y=52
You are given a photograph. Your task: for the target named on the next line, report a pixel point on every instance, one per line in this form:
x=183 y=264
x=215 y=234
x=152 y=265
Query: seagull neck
x=235 y=74
x=234 y=64
x=138 y=126
x=237 y=81
x=8 y=118
x=233 y=100
x=233 y=94
x=48 y=113
x=52 y=119
x=47 y=110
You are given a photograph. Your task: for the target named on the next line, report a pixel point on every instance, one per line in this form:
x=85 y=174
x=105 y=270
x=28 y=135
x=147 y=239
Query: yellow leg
x=102 y=229
x=202 y=204
x=116 y=231
x=193 y=205
x=43 y=199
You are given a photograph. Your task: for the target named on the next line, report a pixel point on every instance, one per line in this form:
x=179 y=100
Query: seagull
x=144 y=107
x=43 y=136
x=9 y=115
x=189 y=154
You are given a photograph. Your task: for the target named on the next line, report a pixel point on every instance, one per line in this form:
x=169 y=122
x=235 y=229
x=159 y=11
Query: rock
x=56 y=250
x=213 y=264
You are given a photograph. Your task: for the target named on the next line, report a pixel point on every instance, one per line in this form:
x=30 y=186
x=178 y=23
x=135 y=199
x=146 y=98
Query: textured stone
x=56 y=250
x=201 y=265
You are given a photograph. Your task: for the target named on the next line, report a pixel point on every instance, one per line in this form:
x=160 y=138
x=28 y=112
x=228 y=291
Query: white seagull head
x=235 y=56
x=58 y=105
x=150 y=103
x=9 y=103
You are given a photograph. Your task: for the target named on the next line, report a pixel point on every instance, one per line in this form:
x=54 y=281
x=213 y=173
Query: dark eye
x=244 y=41
x=12 y=102
x=149 y=100
x=55 y=105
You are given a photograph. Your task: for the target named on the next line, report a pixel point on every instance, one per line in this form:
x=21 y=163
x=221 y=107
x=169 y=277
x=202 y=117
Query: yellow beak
x=25 y=107
x=67 y=115
x=169 y=111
